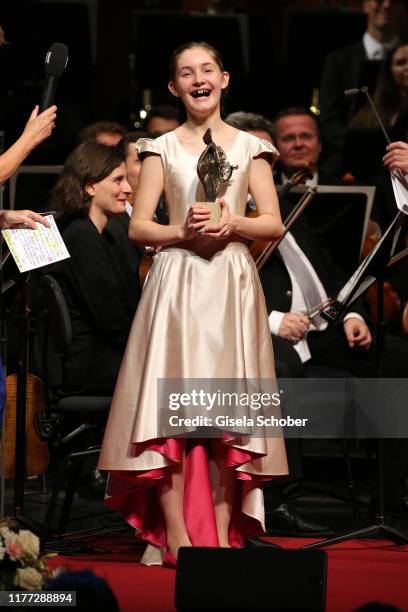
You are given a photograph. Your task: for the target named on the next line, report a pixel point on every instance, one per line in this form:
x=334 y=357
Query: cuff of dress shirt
x=353 y=315
x=275 y=319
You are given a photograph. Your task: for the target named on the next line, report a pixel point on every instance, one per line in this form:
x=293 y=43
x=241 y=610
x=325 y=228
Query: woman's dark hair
x=90 y=162
x=387 y=96
x=216 y=55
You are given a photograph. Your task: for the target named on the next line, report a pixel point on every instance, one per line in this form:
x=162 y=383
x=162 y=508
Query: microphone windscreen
x=56 y=59
x=351 y=92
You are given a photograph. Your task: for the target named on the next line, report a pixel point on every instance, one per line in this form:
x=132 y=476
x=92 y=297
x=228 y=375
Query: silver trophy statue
x=213 y=169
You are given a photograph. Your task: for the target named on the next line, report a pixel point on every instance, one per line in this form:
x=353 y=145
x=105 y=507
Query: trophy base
x=215 y=214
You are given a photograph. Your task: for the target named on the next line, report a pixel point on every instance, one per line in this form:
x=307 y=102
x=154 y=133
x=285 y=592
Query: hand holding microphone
x=55 y=63
x=42 y=119
x=39 y=126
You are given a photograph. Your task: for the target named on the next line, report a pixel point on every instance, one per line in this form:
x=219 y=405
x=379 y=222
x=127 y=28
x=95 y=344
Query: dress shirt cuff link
x=353 y=315
x=275 y=319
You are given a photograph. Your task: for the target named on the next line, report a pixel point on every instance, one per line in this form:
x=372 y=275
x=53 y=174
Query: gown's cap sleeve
x=262 y=146
x=147 y=145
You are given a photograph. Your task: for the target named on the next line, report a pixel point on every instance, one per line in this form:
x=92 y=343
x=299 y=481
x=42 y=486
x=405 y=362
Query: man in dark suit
x=348 y=347
x=354 y=66
x=297 y=137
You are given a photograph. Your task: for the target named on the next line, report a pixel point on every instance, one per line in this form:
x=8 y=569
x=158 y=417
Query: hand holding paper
x=11 y=219
x=34 y=248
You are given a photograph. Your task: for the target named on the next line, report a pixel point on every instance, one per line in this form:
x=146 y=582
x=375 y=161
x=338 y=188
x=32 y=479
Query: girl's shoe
x=169 y=560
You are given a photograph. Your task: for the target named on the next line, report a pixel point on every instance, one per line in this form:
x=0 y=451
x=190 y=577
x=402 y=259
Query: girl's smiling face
x=198 y=81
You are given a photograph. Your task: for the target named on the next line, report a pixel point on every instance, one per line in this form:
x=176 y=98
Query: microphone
x=55 y=63
x=351 y=92
x=364 y=90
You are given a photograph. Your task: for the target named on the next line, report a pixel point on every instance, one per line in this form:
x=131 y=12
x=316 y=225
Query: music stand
x=46 y=172
x=370 y=270
x=338 y=211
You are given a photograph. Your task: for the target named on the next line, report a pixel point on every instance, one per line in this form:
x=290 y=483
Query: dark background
x=117 y=50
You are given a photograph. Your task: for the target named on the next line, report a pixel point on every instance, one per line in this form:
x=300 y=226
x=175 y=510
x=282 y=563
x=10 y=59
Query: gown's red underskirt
x=136 y=498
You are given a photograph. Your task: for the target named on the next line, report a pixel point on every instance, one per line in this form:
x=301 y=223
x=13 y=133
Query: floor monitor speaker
x=250 y=579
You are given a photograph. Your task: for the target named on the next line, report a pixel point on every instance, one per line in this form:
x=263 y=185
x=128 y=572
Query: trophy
x=213 y=169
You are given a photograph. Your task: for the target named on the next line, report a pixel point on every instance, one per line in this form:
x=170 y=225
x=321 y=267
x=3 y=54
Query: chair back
x=57 y=333
x=59 y=322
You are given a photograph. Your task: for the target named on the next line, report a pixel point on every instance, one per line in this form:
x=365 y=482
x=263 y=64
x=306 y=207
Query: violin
x=261 y=250
x=304 y=201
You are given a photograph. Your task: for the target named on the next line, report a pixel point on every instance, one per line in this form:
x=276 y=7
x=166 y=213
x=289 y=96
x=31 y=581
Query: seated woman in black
x=99 y=281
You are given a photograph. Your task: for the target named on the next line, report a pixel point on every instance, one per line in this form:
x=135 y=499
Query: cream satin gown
x=202 y=315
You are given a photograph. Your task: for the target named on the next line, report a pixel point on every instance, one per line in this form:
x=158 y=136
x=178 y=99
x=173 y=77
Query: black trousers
x=330 y=348
x=289 y=365
x=332 y=357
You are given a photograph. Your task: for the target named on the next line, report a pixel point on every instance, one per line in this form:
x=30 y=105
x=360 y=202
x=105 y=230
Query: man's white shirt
x=298 y=302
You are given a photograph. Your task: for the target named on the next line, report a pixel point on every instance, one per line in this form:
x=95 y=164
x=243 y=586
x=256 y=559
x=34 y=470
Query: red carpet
x=358 y=572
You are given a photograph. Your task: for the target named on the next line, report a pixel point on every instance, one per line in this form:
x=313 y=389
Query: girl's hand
x=225 y=227
x=196 y=219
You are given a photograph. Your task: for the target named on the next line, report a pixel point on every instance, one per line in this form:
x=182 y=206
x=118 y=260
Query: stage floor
x=359 y=572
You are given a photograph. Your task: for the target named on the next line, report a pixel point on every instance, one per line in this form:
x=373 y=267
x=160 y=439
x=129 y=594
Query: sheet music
x=36 y=248
x=400 y=186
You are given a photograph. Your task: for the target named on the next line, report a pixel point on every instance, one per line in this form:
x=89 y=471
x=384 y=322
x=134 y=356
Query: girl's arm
x=142 y=229
x=268 y=224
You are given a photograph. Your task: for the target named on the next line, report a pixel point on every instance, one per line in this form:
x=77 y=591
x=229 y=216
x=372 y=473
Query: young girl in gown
x=202 y=315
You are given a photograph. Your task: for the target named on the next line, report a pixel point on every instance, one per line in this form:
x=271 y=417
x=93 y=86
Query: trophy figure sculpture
x=213 y=169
